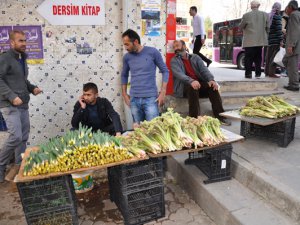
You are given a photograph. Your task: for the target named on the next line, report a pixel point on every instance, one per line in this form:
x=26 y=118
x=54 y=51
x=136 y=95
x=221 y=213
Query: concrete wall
x=65 y=71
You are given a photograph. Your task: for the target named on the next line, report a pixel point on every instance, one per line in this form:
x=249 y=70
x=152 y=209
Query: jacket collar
x=180 y=57
x=16 y=54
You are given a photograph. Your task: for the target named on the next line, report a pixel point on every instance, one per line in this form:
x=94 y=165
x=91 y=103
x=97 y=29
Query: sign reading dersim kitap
x=73 y=12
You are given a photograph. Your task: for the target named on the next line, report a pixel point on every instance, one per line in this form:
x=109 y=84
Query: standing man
x=255 y=26
x=198 y=34
x=193 y=80
x=142 y=61
x=292 y=46
x=14 y=98
x=96 y=112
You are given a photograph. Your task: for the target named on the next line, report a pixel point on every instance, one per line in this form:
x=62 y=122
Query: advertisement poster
x=4 y=38
x=34 y=42
x=151 y=17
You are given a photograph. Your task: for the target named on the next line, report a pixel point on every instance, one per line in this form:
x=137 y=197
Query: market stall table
x=280 y=130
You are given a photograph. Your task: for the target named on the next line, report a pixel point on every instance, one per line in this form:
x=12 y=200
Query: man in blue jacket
x=14 y=98
x=192 y=79
x=95 y=112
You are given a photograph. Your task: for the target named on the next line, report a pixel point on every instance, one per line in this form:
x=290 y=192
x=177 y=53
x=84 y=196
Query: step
x=269 y=188
x=242 y=97
x=245 y=86
x=227 y=202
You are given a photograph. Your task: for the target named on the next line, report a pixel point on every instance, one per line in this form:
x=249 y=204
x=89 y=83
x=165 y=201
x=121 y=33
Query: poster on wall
x=151 y=17
x=34 y=40
x=71 y=12
x=4 y=38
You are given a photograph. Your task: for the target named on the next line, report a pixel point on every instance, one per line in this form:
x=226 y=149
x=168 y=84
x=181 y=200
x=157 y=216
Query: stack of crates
x=2 y=123
x=49 y=201
x=138 y=190
x=215 y=163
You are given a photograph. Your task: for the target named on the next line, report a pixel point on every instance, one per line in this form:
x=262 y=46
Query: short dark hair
x=13 y=33
x=132 y=35
x=90 y=86
x=293 y=5
x=194 y=8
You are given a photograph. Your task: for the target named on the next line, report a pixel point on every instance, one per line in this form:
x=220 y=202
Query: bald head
x=254 y=4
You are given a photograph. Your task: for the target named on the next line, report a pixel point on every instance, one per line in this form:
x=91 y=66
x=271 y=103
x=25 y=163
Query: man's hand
x=202 y=41
x=193 y=41
x=161 y=98
x=214 y=85
x=126 y=98
x=37 y=91
x=196 y=85
x=118 y=134
x=17 y=101
x=290 y=50
x=81 y=102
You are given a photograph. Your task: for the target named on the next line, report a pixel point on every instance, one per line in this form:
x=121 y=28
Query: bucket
x=83 y=181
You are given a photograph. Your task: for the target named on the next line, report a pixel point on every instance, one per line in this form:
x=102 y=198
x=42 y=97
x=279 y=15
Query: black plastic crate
x=131 y=177
x=282 y=132
x=47 y=199
x=142 y=206
x=2 y=123
x=215 y=163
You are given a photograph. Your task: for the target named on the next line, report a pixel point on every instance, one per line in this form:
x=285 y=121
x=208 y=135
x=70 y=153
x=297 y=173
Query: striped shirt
x=275 y=34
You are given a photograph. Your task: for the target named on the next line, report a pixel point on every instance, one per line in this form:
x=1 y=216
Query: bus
x=227 y=43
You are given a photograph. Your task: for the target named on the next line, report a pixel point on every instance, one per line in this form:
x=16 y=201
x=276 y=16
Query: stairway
x=234 y=95
x=264 y=189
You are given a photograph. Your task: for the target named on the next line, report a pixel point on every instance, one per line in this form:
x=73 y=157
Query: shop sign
x=72 y=12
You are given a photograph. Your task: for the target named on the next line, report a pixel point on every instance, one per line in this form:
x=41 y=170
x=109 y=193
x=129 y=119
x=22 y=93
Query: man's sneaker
x=225 y=121
x=12 y=173
x=2 y=174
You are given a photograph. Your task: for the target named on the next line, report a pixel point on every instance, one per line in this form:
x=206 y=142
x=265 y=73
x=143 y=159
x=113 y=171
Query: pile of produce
x=77 y=149
x=269 y=107
x=171 y=132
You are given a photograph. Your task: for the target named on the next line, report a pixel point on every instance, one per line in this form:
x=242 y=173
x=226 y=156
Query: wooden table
x=279 y=130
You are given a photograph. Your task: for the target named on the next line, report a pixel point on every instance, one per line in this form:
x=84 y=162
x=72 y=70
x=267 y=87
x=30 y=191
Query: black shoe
x=208 y=63
x=225 y=121
x=248 y=77
x=2 y=174
x=291 y=88
x=257 y=76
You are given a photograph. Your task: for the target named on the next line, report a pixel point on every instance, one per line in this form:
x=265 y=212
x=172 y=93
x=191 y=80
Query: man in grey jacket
x=193 y=80
x=14 y=99
x=292 y=46
x=255 y=26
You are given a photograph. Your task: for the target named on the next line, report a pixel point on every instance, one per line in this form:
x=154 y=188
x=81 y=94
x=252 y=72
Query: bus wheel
x=241 y=61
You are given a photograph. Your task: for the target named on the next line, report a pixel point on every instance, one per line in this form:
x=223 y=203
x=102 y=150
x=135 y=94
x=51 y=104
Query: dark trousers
x=270 y=67
x=253 y=55
x=197 y=48
x=204 y=92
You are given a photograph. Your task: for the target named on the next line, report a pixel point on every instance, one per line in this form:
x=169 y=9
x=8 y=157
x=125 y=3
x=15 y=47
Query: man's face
x=90 y=97
x=129 y=45
x=19 y=43
x=192 y=12
x=178 y=47
x=288 y=10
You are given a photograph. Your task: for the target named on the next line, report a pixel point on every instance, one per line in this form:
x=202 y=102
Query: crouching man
x=193 y=80
x=96 y=112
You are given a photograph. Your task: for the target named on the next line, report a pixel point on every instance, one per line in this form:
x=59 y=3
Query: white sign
x=73 y=12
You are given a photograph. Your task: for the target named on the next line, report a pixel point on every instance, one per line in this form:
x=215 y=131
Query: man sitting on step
x=192 y=79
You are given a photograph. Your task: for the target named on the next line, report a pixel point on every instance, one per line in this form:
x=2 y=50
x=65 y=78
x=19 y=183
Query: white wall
x=65 y=71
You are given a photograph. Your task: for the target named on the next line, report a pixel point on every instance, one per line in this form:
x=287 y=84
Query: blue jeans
x=143 y=108
x=18 y=126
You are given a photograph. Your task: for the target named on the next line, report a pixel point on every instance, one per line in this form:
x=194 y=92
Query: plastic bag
x=279 y=56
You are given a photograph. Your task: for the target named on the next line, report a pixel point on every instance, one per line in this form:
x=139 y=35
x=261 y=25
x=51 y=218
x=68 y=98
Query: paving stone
x=99 y=223
x=87 y=222
x=169 y=197
x=108 y=205
x=174 y=207
x=181 y=215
